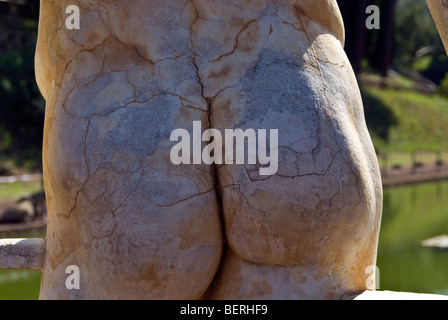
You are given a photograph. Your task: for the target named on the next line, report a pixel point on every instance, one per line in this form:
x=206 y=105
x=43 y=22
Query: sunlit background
x=402 y=70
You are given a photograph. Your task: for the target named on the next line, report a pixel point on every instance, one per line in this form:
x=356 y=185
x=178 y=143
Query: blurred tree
x=21 y=105
x=416 y=34
x=406 y=34
x=354 y=19
x=383 y=47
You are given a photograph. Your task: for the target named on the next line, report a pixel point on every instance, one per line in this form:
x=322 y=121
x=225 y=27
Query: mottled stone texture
x=22 y=253
x=138 y=226
x=439 y=11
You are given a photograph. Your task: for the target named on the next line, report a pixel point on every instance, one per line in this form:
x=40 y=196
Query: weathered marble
x=138 y=226
x=439 y=11
x=22 y=253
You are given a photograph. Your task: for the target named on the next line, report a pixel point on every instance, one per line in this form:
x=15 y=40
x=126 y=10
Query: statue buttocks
x=138 y=226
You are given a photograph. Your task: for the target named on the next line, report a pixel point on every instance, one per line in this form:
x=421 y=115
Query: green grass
x=406 y=121
x=19 y=284
x=423 y=63
x=402 y=158
x=18 y=189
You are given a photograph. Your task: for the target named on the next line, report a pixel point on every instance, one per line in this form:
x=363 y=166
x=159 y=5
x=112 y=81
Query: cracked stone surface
x=22 y=253
x=139 y=227
x=439 y=12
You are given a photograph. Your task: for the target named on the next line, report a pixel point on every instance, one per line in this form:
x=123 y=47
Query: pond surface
x=411 y=214
x=19 y=284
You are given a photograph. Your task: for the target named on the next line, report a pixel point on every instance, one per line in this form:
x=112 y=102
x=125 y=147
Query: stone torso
x=138 y=226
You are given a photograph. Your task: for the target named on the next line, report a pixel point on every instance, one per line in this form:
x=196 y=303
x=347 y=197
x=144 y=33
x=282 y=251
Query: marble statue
x=439 y=11
x=139 y=226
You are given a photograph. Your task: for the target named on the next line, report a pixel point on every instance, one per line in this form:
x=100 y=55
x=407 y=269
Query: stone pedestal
x=140 y=227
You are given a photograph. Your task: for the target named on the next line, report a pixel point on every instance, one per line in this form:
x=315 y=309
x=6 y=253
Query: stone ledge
x=391 y=295
x=440 y=242
x=22 y=253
